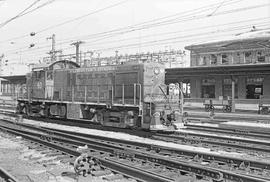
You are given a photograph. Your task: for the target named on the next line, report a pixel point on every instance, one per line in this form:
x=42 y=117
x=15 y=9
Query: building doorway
x=254 y=88
x=208 y=88
x=208 y=91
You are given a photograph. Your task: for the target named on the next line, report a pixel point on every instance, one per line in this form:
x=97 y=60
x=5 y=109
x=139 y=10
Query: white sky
x=130 y=12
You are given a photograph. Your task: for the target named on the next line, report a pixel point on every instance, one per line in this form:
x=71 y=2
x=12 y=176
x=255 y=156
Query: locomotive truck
x=129 y=95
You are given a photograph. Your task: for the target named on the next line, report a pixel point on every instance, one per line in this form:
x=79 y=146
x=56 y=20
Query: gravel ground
x=29 y=165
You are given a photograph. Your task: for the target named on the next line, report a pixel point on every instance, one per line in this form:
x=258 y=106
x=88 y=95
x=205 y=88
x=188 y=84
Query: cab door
x=49 y=85
x=38 y=84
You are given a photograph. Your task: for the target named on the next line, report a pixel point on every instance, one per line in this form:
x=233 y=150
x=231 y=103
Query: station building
x=237 y=68
x=11 y=85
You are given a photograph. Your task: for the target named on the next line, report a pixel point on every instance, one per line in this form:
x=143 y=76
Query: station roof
x=15 y=78
x=249 y=40
x=176 y=74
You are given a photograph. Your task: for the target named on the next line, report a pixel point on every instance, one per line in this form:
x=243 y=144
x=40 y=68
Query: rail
x=173 y=161
x=6 y=176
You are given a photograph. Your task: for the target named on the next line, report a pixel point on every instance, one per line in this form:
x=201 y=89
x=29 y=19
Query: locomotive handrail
x=72 y=90
x=123 y=94
x=135 y=93
x=112 y=94
x=140 y=95
x=98 y=95
x=129 y=94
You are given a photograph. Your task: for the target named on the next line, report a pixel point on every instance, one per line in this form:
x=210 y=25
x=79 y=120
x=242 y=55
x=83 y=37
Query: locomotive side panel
x=38 y=85
x=28 y=94
x=128 y=84
x=93 y=86
x=60 y=85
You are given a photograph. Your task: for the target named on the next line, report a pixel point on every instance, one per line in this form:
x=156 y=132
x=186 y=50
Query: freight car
x=130 y=95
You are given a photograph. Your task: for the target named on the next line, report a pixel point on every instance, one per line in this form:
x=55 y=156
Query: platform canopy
x=14 y=78
x=176 y=74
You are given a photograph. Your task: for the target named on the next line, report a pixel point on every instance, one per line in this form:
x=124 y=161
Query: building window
x=227 y=88
x=236 y=58
x=248 y=57
x=260 y=57
x=254 y=87
x=202 y=60
x=213 y=59
x=208 y=88
x=224 y=59
x=186 y=88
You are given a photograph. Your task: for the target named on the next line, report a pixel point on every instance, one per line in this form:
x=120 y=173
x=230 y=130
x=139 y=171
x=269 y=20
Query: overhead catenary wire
x=204 y=8
x=91 y=37
x=187 y=18
x=237 y=27
x=25 y=12
x=183 y=20
x=149 y=44
x=68 y=21
x=166 y=41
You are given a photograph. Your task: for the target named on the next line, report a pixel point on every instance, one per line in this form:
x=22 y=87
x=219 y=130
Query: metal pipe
x=112 y=94
x=98 y=93
x=134 y=92
x=123 y=94
x=62 y=94
x=72 y=93
x=85 y=93
x=52 y=93
x=140 y=94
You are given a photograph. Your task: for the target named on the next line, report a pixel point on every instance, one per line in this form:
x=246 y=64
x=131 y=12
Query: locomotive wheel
x=207 y=108
x=99 y=117
x=224 y=109
x=211 y=108
x=28 y=109
x=264 y=110
x=19 y=109
x=228 y=109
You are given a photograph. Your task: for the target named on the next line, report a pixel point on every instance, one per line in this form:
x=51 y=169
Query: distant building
x=12 y=85
x=241 y=63
x=13 y=78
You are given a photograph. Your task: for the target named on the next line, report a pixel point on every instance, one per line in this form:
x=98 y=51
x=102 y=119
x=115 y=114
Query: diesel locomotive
x=129 y=95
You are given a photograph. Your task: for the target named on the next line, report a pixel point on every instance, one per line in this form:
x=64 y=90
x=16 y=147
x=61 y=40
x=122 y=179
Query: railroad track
x=6 y=177
x=259 y=134
x=112 y=161
x=251 y=146
x=222 y=142
x=212 y=166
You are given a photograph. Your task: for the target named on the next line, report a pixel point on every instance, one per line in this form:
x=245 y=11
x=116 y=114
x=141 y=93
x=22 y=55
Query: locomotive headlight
x=156 y=70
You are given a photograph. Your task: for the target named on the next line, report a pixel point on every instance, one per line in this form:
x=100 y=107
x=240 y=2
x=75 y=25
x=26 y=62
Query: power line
x=170 y=40
x=224 y=12
x=83 y=16
x=115 y=32
x=69 y=21
x=19 y=15
x=165 y=33
x=153 y=20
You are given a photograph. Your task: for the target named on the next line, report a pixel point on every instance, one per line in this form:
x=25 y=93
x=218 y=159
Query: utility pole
x=53 y=51
x=77 y=45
